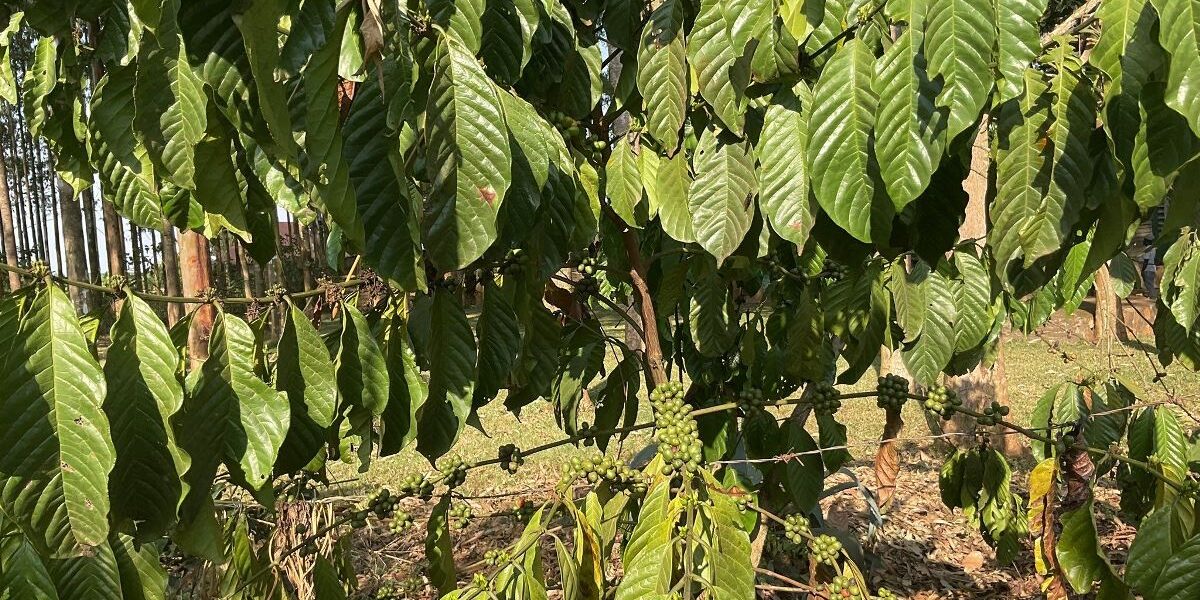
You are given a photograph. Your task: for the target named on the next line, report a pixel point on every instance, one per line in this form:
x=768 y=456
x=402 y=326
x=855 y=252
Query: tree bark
x=984 y=384
x=135 y=246
x=74 y=245
x=196 y=279
x=1106 y=324
x=244 y=265
x=171 y=273
x=114 y=239
x=88 y=199
x=7 y=229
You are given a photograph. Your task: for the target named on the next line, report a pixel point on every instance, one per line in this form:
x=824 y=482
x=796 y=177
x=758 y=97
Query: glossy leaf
x=57 y=453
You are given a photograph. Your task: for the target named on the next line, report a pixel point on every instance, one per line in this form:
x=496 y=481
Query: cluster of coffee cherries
x=573 y=131
x=744 y=500
x=886 y=594
x=381 y=502
x=515 y=263
x=824 y=548
x=893 y=392
x=825 y=399
x=494 y=558
x=844 y=587
x=460 y=515
x=599 y=468
x=992 y=414
x=587 y=267
x=795 y=528
x=751 y=397
x=400 y=523
x=833 y=270
x=942 y=400
x=397 y=590
x=511 y=458
x=675 y=430
x=417 y=486
x=453 y=471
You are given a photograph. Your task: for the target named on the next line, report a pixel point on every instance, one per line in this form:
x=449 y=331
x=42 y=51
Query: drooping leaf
x=782 y=153
x=623 y=184
x=57 y=453
x=909 y=128
x=959 y=38
x=144 y=393
x=662 y=76
x=362 y=375
x=1179 y=34
x=451 y=351
x=722 y=68
x=1017 y=43
x=306 y=373
x=467 y=159
x=407 y=390
x=647 y=557
x=721 y=199
x=930 y=353
x=672 y=183
x=841 y=155
x=230 y=414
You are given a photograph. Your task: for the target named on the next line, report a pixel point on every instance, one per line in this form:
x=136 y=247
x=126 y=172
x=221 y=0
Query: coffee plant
x=768 y=192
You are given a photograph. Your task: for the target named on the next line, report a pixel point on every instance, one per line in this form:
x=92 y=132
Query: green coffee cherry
x=844 y=587
x=510 y=458
x=825 y=398
x=416 y=486
x=675 y=430
x=824 y=548
x=942 y=400
x=460 y=515
x=893 y=392
x=454 y=472
x=796 y=528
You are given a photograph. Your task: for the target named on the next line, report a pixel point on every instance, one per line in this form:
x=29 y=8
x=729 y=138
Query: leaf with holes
x=57 y=454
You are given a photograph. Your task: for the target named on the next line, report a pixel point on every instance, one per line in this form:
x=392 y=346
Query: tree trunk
x=6 y=228
x=88 y=200
x=984 y=384
x=58 y=232
x=1106 y=322
x=135 y=246
x=194 y=262
x=114 y=239
x=171 y=273
x=74 y=245
x=244 y=265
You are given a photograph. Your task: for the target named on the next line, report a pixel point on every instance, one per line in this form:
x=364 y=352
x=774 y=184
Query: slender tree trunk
x=7 y=229
x=984 y=384
x=135 y=246
x=303 y=254
x=196 y=278
x=114 y=239
x=171 y=273
x=23 y=229
x=59 y=231
x=88 y=199
x=74 y=246
x=1106 y=323
x=244 y=265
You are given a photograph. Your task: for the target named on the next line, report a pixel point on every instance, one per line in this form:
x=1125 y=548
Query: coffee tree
x=775 y=188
